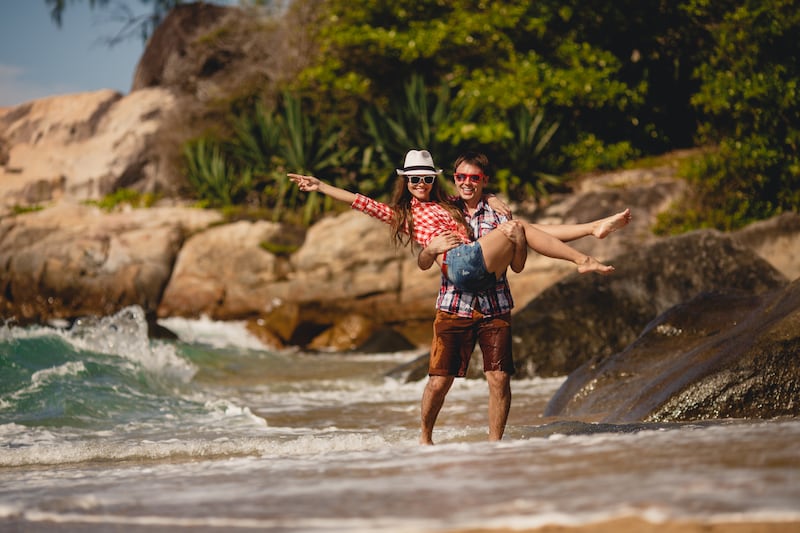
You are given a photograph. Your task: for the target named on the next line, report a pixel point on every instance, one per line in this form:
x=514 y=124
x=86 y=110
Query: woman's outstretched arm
x=310 y=184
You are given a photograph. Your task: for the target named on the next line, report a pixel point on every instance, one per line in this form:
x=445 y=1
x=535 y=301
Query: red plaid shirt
x=491 y=302
x=430 y=218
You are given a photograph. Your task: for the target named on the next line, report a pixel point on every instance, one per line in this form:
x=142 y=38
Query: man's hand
x=515 y=231
x=499 y=206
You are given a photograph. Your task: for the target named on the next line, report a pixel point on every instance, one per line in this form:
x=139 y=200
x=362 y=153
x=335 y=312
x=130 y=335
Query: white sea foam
x=214 y=333
x=278 y=443
x=70 y=368
x=124 y=334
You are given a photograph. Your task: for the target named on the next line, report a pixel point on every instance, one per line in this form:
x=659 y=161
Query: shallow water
x=102 y=429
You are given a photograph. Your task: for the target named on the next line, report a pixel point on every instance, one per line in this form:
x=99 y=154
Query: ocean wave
x=45 y=451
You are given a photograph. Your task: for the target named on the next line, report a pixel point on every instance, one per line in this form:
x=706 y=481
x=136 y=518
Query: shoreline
x=640 y=525
x=618 y=525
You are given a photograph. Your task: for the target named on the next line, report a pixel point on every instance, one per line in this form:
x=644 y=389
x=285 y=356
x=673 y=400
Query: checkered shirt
x=490 y=302
x=430 y=218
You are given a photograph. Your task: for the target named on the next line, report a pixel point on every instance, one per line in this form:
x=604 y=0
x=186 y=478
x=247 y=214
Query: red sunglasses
x=474 y=178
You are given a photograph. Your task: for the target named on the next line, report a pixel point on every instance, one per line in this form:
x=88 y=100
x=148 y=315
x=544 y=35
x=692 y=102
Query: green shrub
x=125 y=196
x=215 y=181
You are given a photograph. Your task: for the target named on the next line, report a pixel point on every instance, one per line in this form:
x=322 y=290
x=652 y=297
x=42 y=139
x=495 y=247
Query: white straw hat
x=418 y=163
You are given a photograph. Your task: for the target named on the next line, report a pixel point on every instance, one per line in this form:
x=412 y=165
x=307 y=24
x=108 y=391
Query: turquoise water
x=103 y=429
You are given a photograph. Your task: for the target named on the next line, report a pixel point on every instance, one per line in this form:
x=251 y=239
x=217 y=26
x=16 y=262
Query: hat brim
x=419 y=172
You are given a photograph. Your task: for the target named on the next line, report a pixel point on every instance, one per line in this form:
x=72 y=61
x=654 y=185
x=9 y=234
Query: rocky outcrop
x=344 y=276
x=73 y=260
x=776 y=240
x=82 y=146
x=207 y=53
x=592 y=317
x=732 y=354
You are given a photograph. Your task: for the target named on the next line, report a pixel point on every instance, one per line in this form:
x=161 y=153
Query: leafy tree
x=589 y=69
x=749 y=97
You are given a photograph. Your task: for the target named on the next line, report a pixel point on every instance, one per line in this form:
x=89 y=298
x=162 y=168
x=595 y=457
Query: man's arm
x=515 y=232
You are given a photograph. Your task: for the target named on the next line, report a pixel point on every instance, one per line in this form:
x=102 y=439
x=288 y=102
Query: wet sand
x=633 y=525
x=625 y=525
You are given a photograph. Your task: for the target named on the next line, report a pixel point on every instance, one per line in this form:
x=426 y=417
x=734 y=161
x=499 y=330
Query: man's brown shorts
x=454 y=340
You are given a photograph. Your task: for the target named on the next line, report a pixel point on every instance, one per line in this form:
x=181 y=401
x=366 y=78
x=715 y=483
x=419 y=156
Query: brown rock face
x=81 y=146
x=592 y=317
x=71 y=260
x=209 y=52
x=168 y=59
x=224 y=273
x=725 y=354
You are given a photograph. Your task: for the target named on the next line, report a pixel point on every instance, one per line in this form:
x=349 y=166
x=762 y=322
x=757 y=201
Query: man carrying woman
x=474 y=245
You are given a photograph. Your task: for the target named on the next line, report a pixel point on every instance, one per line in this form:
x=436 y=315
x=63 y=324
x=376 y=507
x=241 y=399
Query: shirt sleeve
x=373 y=208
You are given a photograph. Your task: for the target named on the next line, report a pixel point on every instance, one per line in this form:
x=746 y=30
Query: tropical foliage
x=751 y=105
x=546 y=88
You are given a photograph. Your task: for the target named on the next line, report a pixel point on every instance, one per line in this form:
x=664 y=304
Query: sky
x=38 y=58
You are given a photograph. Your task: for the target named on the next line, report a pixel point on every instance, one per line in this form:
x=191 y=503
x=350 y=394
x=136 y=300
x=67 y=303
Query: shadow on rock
x=590 y=317
x=727 y=354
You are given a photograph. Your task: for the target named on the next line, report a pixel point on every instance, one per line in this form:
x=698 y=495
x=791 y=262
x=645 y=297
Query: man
x=464 y=319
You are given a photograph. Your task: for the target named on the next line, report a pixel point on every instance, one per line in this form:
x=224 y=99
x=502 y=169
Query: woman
x=419 y=211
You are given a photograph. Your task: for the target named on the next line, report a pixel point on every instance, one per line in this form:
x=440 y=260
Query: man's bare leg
x=499 y=402
x=432 y=402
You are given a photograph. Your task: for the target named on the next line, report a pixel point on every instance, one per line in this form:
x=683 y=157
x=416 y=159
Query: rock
x=591 y=316
x=346 y=334
x=258 y=327
x=74 y=260
x=210 y=53
x=384 y=340
x=348 y=265
x=225 y=273
x=730 y=354
x=776 y=240
x=82 y=146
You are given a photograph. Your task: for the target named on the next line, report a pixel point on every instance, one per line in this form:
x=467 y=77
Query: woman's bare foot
x=590 y=264
x=608 y=225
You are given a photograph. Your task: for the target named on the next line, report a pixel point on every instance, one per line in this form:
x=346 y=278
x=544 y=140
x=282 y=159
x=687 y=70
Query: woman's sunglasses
x=474 y=178
x=416 y=179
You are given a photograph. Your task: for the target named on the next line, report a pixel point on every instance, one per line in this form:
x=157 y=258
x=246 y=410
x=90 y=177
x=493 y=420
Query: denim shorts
x=466 y=269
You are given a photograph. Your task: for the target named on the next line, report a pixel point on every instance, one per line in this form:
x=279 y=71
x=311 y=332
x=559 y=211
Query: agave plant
x=523 y=152
x=214 y=179
x=308 y=146
x=412 y=122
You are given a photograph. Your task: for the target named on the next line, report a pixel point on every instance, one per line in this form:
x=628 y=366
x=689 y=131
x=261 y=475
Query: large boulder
x=730 y=354
x=81 y=146
x=591 y=316
x=74 y=260
x=776 y=240
x=226 y=273
x=215 y=54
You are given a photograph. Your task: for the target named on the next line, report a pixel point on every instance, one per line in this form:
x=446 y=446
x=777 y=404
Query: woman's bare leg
x=498 y=250
x=600 y=228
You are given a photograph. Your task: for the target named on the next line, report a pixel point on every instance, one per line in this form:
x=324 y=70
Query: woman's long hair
x=403 y=223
